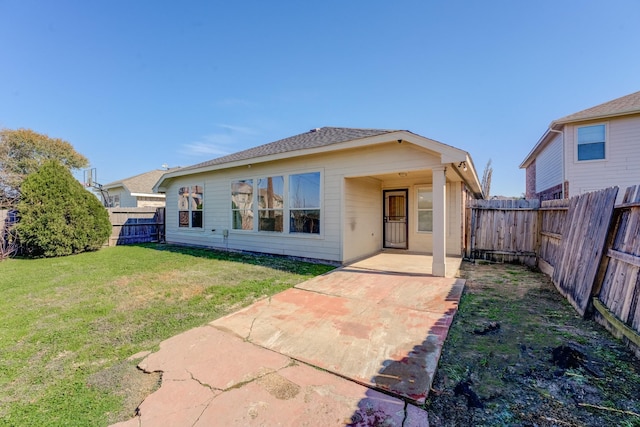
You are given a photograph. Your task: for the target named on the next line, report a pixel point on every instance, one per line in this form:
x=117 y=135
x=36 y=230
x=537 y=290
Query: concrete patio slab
x=247 y=385
x=382 y=330
x=318 y=354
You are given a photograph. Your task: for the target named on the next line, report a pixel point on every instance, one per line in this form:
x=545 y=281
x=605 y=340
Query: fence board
x=584 y=233
x=553 y=214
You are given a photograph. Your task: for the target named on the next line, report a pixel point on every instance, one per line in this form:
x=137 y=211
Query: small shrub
x=58 y=216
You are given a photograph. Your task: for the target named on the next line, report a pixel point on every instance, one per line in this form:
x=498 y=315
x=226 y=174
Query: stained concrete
x=385 y=331
x=357 y=346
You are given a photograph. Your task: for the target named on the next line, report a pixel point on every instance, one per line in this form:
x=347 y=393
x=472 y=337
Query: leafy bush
x=58 y=216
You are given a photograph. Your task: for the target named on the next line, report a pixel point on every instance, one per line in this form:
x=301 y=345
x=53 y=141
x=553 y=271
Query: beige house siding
x=549 y=165
x=362 y=217
x=621 y=166
x=351 y=193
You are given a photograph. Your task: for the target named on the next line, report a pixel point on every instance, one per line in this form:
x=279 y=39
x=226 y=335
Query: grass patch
x=70 y=324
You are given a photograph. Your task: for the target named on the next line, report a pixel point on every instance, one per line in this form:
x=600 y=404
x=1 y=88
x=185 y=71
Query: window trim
x=190 y=227
x=606 y=140
x=418 y=210
x=286 y=232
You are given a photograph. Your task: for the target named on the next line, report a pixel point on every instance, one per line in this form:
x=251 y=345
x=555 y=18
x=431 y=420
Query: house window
x=591 y=141
x=114 y=201
x=190 y=203
x=304 y=203
x=242 y=204
x=425 y=209
x=270 y=203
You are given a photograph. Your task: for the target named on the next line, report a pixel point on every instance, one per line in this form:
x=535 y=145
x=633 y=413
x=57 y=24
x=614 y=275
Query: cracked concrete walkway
x=352 y=347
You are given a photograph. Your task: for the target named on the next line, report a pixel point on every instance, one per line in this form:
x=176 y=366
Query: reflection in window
x=304 y=203
x=271 y=203
x=114 y=201
x=242 y=204
x=425 y=209
x=591 y=141
x=190 y=206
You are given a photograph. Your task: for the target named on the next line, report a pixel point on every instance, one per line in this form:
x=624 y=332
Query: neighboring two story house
x=136 y=191
x=589 y=150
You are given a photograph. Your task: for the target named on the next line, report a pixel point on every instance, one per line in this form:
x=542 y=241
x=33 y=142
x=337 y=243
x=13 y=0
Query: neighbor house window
x=190 y=204
x=114 y=201
x=270 y=203
x=304 y=203
x=591 y=142
x=242 y=204
x=425 y=209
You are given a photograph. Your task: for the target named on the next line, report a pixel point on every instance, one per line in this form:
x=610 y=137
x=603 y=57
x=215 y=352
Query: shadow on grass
x=276 y=262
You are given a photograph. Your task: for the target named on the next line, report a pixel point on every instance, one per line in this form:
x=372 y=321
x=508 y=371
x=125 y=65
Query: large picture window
x=425 y=209
x=263 y=204
x=190 y=205
x=242 y=204
x=271 y=203
x=304 y=203
x=591 y=142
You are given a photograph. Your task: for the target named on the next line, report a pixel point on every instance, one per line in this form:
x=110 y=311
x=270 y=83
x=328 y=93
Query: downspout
x=563 y=150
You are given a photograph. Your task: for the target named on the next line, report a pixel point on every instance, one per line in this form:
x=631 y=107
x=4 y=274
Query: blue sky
x=133 y=85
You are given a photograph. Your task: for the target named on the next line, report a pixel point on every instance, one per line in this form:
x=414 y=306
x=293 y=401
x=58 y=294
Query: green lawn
x=68 y=325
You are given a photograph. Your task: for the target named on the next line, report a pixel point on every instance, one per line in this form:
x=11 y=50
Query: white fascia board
x=160 y=196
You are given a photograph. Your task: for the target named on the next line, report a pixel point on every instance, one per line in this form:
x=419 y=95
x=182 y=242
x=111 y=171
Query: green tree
x=58 y=216
x=22 y=152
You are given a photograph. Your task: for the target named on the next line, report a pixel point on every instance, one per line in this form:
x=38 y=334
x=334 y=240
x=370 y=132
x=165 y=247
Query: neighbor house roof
x=628 y=104
x=315 y=138
x=139 y=184
x=625 y=105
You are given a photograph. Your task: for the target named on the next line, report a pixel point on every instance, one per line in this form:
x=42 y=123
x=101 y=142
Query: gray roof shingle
x=314 y=138
x=624 y=105
x=142 y=183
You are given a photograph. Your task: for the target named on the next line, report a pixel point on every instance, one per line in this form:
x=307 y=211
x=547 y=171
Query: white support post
x=438 y=267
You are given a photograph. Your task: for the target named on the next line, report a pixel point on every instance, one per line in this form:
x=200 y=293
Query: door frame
x=384 y=217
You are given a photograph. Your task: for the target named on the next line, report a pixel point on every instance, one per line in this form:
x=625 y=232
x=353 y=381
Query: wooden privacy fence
x=586 y=244
x=136 y=225
x=504 y=230
x=617 y=287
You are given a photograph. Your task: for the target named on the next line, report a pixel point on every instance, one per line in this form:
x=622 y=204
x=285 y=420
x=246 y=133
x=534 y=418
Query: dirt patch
x=518 y=354
x=126 y=380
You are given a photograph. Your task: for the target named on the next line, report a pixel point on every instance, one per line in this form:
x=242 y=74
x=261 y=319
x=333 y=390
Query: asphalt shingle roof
x=142 y=183
x=314 y=138
x=619 y=106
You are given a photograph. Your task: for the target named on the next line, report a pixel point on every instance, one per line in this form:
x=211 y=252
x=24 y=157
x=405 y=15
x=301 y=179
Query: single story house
x=136 y=191
x=335 y=194
x=589 y=150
